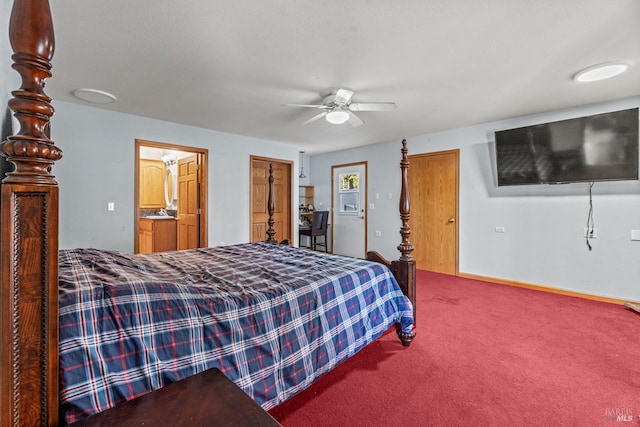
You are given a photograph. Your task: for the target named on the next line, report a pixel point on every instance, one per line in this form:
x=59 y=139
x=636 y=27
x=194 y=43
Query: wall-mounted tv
x=592 y=148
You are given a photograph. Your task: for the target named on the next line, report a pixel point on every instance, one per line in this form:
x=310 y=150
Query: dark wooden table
x=206 y=399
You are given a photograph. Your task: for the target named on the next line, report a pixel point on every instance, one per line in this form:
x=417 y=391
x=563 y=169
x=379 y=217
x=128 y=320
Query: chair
x=319 y=223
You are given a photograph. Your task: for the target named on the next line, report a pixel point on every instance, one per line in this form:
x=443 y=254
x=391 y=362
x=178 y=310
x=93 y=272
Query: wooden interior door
x=433 y=192
x=260 y=194
x=188 y=203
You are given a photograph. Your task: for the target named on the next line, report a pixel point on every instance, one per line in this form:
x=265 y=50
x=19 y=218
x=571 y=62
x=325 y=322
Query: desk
x=205 y=399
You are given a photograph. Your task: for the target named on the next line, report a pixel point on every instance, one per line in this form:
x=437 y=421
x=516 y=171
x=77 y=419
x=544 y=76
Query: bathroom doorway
x=170 y=184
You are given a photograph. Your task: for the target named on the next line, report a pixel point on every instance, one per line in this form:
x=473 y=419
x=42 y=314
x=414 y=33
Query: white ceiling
x=229 y=65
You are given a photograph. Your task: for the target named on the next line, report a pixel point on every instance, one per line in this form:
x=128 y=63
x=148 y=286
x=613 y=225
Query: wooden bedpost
x=271 y=208
x=29 y=239
x=404 y=269
x=406 y=265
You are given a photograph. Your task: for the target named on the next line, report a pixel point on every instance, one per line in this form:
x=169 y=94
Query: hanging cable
x=590 y=220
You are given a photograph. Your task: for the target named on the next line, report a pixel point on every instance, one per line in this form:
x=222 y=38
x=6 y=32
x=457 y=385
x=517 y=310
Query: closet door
x=259 y=198
x=433 y=192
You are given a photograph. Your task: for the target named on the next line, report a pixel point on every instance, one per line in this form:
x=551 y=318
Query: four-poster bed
x=29 y=367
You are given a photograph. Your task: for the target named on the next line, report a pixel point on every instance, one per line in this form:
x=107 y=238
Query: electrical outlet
x=111 y=206
x=378 y=233
x=590 y=233
x=499 y=229
x=221 y=243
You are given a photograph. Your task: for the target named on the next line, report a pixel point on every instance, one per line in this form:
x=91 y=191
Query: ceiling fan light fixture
x=601 y=72
x=337 y=117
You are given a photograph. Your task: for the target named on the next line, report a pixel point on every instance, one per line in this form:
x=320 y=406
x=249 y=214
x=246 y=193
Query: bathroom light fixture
x=302 y=175
x=94 y=96
x=601 y=71
x=337 y=117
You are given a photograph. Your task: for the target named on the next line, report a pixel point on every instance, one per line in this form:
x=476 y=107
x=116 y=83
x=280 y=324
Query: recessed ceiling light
x=601 y=72
x=337 y=117
x=94 y=96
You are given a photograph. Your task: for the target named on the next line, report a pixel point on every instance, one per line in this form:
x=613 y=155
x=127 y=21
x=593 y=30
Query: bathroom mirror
x=169 y=189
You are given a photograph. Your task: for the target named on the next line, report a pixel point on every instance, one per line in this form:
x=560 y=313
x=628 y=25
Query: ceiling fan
x=338 y=107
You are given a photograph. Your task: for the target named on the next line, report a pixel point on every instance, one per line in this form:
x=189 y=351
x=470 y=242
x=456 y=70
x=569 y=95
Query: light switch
x=371 y=206
x=111 y=206
x=635 y=234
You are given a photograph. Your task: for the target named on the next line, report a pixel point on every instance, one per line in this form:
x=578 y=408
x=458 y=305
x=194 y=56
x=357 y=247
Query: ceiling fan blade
x=354 y=120
x=373 y=106
x=306 y=105
x=314 y=118
x=343 y=96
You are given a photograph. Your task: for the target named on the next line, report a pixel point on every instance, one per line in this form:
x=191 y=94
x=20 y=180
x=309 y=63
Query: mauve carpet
x=487 y=355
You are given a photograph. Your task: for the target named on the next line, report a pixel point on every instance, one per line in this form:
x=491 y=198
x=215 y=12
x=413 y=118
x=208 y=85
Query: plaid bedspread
x=270 y=317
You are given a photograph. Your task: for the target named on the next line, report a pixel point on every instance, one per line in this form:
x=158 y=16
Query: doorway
x=433 y=191
x=184 y=193
x=348 y=217
x=260 y=194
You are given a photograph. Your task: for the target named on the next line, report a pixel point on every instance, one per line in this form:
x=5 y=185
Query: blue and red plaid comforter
x=270 y=317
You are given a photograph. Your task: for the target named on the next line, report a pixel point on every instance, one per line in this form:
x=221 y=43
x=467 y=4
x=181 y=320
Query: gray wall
x=98 y=167
x=543 y=242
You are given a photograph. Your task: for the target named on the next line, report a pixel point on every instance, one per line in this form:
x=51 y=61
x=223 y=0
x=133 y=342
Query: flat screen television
x=600 y=147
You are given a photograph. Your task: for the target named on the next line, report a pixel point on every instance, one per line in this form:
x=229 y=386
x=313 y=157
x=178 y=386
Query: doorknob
x=452 y=220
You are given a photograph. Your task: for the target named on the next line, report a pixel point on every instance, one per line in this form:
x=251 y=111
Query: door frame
x=291 y=193
x=364 y=163
x=456 y=153
x=203 y=156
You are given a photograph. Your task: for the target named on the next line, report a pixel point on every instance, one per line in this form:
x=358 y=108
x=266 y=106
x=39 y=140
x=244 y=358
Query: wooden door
x=188 y=203
x=259 y=198
x=433 y=192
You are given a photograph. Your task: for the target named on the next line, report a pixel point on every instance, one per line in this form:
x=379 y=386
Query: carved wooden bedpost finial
x=29 y=227
x=405 y=247
x=271 y=208
x=32 y=39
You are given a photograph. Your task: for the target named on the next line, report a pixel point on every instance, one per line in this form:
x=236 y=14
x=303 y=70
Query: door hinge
x=199 y=211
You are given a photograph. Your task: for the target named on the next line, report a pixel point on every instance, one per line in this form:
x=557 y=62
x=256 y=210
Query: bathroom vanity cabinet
x=157 y=235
